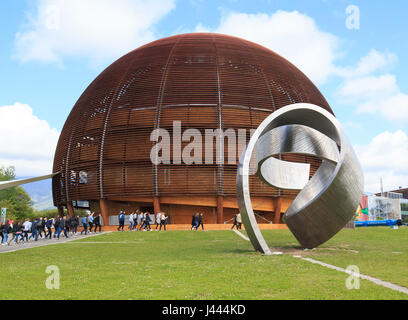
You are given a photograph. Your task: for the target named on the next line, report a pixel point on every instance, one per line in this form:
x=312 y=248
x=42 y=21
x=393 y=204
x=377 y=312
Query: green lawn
x=206 y=265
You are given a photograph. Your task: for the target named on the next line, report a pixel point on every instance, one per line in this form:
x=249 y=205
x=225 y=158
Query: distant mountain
x=41 y=194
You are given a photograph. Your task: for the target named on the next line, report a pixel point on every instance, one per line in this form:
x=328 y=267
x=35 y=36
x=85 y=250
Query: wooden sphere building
x=204 y=81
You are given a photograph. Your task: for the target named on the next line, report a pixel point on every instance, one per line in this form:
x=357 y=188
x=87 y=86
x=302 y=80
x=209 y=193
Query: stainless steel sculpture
x=326 y=202
x=15 y=183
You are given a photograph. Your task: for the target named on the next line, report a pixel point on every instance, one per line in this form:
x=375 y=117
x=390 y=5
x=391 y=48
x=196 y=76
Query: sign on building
x=3 y=214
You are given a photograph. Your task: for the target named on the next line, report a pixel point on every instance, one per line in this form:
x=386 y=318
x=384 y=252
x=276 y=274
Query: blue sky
x=50 y=50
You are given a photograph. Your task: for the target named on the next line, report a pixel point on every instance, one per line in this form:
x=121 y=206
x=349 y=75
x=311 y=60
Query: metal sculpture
x=326 y=202
x=16 y=183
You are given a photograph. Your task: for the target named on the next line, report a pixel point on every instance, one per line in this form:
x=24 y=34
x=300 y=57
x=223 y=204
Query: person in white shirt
x=163 y=221
x=239 y=220
x=131 y=218
x=142 y=220
x=158 y=219
x=27 y=228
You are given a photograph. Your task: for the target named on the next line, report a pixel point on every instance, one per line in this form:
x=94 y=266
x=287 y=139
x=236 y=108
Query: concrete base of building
x=207 y=227
x=180 y=209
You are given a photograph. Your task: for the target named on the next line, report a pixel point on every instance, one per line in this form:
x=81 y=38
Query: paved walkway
x=42 y=242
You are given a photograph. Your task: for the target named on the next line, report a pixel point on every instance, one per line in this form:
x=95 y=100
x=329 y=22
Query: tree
x=7 y=174
x=16 y=199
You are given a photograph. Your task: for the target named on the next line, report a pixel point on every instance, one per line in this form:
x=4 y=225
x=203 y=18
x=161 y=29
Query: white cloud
x=297 y=37
x=26 y=142
x=96 y=29
x=386 y=157
x=371 y=93
x=372 y=62
x=293 y=35
x=377 y=95
x=369 y=87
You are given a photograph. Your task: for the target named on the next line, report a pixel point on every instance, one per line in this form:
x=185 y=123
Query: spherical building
x=198 y=81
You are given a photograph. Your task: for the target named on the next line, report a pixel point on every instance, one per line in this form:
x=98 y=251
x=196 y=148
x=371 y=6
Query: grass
x=206 y=265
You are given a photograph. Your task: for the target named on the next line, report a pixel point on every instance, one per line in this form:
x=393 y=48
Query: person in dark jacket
x=193 y=222
x=34 y=230
x=56 y=225
x=4 y=231
x=75 y=224
x=121 y=218
x=97 y=222
x=18 y=232
x=62 y=227
x=147 y=221
x=68 y=225
x=48 y=226
x=235 y=222
x=40 y=227
x=200 y=221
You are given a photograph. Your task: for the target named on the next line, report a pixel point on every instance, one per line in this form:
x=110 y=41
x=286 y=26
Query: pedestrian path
x=42 y=242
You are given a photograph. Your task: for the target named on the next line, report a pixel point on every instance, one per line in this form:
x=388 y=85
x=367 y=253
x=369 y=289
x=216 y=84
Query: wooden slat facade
x=206 y=81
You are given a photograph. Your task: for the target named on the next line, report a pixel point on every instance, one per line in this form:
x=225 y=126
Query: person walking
x=141 y=222
x=18 y=231
x=196 y=221
x=40 y=227
x=158 y=219
x=121 y=218
x=131 y=218
x=56 y=225
x=163 y=221
x=26 y=229
x=48 y=226
x=62 y=227
x=75 y=224
x=235 y=222
x=4 y=231
x=147 y=221
x=68 y=225
x=90 y=221
x=97 y=222
x=135 y=219
x=193 y=222
x=200 y=221
x=34 y=230
x=84 y=225
x=239 y=221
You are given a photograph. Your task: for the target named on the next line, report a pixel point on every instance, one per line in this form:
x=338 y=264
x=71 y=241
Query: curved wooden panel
x=206 y=81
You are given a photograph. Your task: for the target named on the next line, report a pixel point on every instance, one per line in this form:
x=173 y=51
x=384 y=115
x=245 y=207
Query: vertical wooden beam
x=156 y=204
x=220 y=209
x=103 y=203
x=61 y=211
x=278 y=209
x=70 y=209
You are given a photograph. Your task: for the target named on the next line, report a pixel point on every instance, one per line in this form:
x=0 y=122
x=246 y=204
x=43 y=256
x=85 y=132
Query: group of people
x=46 y=228
x=140 y=221
x=197 y=221
x=90 y=221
